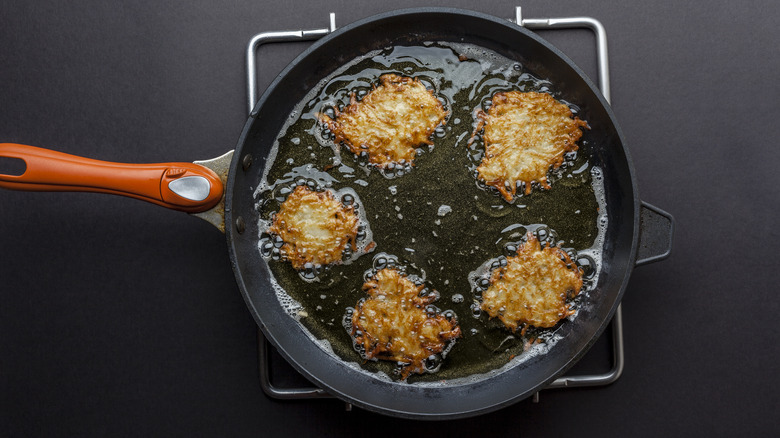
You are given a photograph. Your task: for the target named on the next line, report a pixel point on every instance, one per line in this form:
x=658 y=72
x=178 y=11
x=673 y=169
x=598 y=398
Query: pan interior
x=434 y=219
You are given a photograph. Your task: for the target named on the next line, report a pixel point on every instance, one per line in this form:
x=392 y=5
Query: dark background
x=118 y=317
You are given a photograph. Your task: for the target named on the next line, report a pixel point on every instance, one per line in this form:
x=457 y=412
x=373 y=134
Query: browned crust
x=390 y=122
x=533 y=287
x=315 y=227
x=392 y=324
x=525 y=134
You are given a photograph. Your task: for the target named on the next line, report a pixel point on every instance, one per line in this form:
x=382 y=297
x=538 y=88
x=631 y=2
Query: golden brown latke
x=315 y=227
x=532 y=288
x=392 y=324
x=525 y=134
x=390 y=122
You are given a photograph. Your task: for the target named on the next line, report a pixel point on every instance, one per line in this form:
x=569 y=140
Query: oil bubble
x=432 y=363
x=266 y=248
x=476 y=310
x=587 y=265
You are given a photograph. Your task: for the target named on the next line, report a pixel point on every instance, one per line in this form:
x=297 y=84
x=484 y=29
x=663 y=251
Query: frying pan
x=221 y=191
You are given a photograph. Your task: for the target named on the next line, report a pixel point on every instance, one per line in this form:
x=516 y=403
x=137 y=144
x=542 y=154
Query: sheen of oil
x=436 y=218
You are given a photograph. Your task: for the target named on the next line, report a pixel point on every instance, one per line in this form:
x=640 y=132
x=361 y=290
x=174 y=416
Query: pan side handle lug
x=656 y=229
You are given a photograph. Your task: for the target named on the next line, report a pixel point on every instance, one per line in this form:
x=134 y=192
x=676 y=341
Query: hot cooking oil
x=434 y=219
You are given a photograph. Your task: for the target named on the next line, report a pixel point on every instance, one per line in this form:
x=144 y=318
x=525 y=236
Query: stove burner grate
x=616 y=325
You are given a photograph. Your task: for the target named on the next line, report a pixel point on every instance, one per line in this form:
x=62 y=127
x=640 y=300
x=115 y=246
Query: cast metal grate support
x=616 y=324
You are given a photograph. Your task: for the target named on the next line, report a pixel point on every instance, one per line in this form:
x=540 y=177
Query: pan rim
x=232 y=234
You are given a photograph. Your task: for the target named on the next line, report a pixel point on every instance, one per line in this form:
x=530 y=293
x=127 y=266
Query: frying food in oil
x=315 y=227
x=525 y=134
x=533 y=287
x=390 y=122
x=394 y=324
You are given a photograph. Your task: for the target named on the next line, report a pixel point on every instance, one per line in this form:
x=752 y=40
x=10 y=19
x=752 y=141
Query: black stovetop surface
x=121 y=318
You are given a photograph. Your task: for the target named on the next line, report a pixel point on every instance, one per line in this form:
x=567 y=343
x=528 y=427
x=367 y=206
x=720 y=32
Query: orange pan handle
x=180 y=186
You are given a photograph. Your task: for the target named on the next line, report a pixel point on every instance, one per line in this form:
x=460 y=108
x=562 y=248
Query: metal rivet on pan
x=247 y=161
x=240 y=225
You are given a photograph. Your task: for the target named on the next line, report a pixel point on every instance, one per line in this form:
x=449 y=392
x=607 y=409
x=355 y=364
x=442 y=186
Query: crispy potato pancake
x=315 y=227
x=533 y=287
x=390 y=122
x=392 y=324
x=525 y=134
